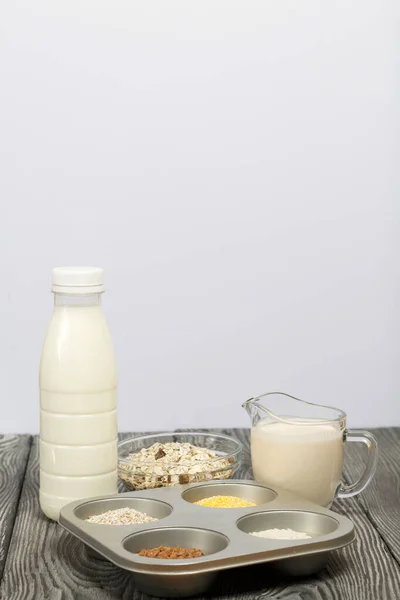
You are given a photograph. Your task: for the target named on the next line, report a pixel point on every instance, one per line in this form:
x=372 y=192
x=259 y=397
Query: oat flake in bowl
x=169 y=459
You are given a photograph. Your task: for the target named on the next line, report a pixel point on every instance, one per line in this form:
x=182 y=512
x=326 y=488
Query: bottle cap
x=77 y=280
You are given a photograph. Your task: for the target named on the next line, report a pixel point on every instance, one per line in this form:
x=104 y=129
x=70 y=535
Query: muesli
x=173 y=463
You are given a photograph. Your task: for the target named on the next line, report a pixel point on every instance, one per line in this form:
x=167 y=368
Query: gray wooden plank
x=44 y=561
x=381 y=499
x=14 y=452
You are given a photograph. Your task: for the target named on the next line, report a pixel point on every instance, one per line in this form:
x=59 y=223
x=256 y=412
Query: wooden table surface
x=38 y=559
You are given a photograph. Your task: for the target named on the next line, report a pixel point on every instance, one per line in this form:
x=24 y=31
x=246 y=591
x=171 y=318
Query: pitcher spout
x=255 y=410
x=248 y=404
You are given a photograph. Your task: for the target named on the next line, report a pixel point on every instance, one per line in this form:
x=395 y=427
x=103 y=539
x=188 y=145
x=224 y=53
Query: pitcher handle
x=365 y=437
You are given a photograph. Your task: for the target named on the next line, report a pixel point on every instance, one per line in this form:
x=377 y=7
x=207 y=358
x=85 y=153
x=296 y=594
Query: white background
x=232 y=167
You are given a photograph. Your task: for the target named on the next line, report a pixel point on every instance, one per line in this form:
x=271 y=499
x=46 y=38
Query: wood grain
x=381 y=499
x=45 y=562
x=14 y=452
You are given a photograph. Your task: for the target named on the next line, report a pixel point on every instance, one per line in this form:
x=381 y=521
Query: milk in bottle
x=78 y=394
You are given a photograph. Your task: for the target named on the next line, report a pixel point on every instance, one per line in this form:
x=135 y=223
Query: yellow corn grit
x=225 y=502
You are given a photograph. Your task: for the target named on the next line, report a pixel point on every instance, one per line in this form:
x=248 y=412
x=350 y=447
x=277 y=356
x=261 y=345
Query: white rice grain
x=281 y=534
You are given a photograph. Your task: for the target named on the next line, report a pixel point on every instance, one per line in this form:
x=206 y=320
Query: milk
x=78 y=398
x=306 y=459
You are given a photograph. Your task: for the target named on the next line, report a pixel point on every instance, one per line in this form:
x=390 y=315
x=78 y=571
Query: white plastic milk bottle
x=78 y=394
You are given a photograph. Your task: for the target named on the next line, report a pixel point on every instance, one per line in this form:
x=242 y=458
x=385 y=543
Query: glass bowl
x=153 y=474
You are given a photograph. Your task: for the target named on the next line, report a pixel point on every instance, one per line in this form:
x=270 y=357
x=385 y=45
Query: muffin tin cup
x=222 y=534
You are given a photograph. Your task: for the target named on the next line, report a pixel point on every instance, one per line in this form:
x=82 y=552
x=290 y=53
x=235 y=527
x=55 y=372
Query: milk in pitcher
x=78 y=395
x=305 y=458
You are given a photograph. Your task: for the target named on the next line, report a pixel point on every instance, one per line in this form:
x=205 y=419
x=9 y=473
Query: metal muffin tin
x=221 y=534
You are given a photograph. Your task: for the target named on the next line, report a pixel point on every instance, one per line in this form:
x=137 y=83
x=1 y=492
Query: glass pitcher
x=299 y=446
